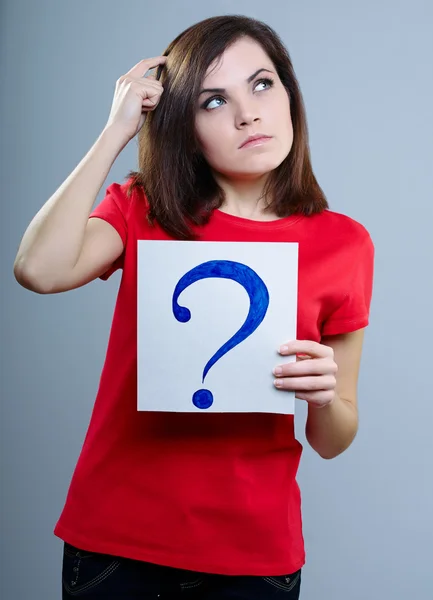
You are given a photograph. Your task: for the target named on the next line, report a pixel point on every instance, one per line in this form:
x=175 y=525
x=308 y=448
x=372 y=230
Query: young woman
x=184 y=505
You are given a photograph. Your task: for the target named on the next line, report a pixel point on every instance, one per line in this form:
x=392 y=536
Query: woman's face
x=250 y=100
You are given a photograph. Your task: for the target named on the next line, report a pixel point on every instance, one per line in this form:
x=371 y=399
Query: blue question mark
x=259 y=302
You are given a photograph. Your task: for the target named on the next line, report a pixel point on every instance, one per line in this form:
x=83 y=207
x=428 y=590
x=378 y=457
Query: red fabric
x=207 y=492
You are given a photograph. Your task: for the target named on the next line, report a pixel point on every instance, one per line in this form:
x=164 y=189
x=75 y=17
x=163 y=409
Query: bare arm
x=52 y=243
x=62 y=248
x=331 y=429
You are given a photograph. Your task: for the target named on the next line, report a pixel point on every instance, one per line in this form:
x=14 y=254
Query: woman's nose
x=246 y=115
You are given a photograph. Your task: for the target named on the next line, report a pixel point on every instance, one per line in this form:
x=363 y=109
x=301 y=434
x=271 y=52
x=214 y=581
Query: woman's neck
x=245 y=199
x=255 y=215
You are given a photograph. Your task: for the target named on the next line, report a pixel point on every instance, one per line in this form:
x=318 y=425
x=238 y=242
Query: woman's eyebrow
x=222 y=90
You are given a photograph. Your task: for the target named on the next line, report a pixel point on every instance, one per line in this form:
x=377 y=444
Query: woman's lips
x=257 y=142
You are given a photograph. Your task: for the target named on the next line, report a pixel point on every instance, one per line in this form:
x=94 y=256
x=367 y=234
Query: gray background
x=365 y=72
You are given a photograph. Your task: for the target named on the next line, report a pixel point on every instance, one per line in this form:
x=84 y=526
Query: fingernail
x=284 y=348
x=278 y=371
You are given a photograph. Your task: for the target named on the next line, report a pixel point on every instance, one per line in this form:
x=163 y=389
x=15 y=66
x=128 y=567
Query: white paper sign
x=243 y=293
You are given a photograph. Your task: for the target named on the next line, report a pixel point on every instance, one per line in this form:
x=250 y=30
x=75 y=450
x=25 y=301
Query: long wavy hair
x=176 y=179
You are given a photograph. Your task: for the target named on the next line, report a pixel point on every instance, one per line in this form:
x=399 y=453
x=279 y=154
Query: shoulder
x=127 y=196
x=342 y=227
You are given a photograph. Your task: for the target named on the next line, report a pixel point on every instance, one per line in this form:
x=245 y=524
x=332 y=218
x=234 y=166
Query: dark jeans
x=95 y=576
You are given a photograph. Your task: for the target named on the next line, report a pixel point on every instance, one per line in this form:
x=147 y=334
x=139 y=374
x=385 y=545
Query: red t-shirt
x=212 y=492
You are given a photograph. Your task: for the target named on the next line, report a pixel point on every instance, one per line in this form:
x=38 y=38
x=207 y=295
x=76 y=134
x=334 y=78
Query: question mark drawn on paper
x=259 y=302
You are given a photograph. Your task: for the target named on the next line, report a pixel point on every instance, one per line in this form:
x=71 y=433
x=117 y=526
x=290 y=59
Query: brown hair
x=173 y=173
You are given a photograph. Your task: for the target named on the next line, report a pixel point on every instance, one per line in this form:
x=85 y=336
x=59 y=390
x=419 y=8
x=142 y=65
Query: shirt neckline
x=255 y=224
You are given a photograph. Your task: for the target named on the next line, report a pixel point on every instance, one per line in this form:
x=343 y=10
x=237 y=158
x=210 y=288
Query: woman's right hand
x=134 y=96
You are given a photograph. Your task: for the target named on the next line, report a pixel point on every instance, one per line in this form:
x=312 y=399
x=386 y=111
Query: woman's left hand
x=312 y=376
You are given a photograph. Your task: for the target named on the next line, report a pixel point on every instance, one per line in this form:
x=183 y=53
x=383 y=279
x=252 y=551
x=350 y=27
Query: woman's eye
x=212 y=103
x=267 y=82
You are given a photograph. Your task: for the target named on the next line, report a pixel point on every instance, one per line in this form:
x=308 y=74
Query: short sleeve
x=353 y=313
x=113 y=208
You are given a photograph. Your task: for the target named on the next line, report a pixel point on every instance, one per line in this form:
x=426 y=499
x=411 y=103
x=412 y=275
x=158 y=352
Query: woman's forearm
x=331 y=429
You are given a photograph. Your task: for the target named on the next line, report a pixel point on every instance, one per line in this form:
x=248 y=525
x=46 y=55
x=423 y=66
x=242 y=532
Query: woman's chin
x=248 y=172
